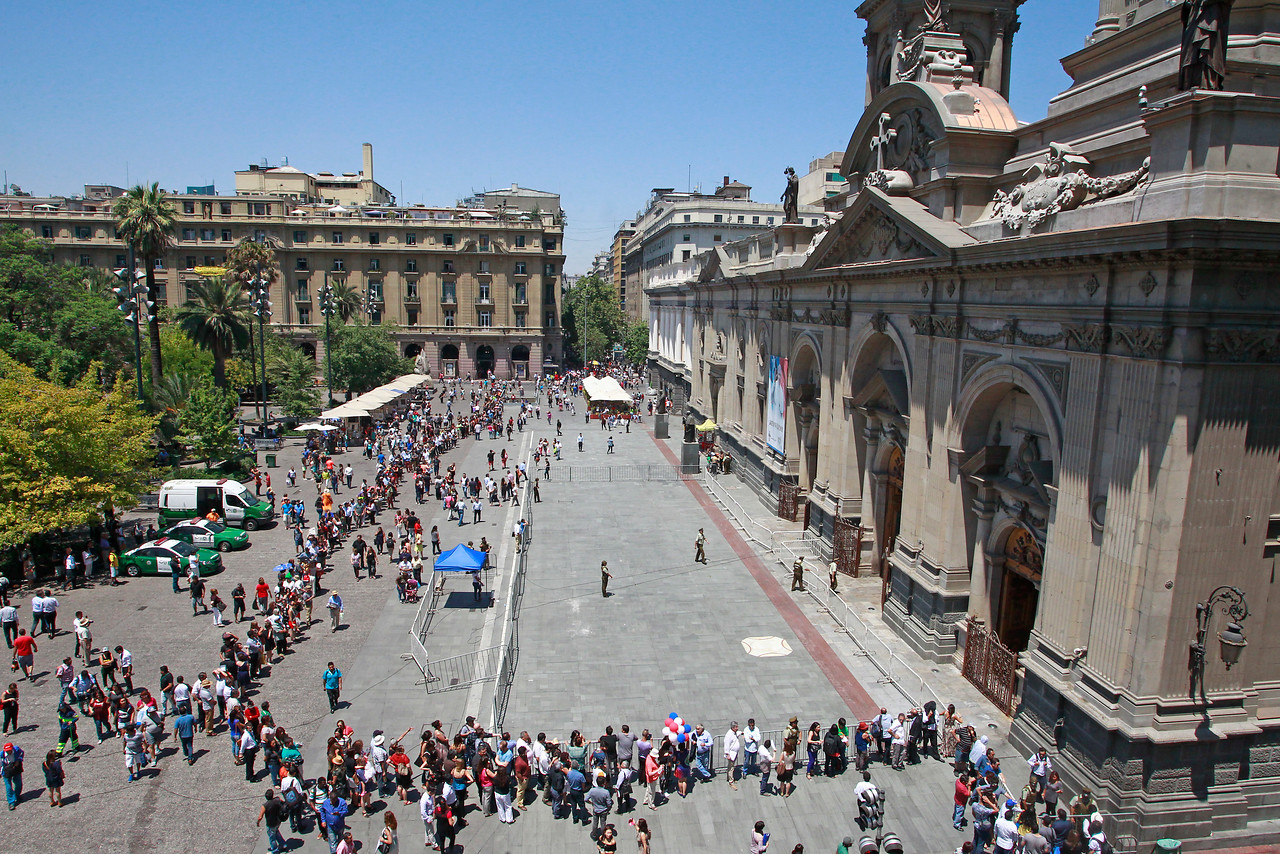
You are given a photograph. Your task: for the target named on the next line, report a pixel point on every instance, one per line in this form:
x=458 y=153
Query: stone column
x=984 y=505
x=994 y=77
x=1109 y=12
x=871 y=500
x=869 y=41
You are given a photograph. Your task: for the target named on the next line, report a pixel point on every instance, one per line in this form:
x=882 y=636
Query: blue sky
x=597 y=101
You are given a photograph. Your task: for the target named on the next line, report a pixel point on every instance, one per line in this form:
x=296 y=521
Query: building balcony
x=413 y=299
x=411 y=274
x=448 y=299
x=302 y=299
x=484 y=301
x=520 y=302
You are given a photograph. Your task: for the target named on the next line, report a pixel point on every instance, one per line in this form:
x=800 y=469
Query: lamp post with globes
x=1231 y=641
x=131 y=300
x=260 y=302
x=327 y=308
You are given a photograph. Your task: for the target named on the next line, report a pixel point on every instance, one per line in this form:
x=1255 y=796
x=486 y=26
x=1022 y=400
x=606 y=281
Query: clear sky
x=599 y=101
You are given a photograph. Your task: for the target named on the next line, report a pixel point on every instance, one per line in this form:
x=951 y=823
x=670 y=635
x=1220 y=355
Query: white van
x=236 y=504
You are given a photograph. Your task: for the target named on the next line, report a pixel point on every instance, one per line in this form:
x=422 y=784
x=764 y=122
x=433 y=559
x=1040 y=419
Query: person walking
x=332 y=678
x=797 y=574
x=9 y=623
x=759 y=839
x=53 y=777
x=24 y=650
x=579 y=443
x=335 y=611
x=272 y=812
x=11 y=769
x=732 y=744
x=700 y=548
x=9 y=707
x=605 y=575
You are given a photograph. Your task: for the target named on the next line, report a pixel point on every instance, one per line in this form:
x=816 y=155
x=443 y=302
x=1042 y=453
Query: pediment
x=879 y=228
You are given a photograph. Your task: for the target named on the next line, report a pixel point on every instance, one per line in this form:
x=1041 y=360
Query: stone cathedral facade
x=1037 y=368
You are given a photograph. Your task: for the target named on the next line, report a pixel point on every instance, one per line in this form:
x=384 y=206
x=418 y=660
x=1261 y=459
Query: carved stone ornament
x=879 y=322
x=1059 y=184
x=1148 y=284
x=987 y=335
x=1091 y=285
x=946 y=326
x=1243 y=345
x=780 y=312
x=1036 y=340
x=875 y=237
x=1145 y=342
x=1244 y=285
x=834 y=316
x=1087 y=337
x=922 y=323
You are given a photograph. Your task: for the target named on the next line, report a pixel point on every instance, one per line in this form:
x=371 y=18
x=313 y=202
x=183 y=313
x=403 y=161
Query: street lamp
x=131 y=300
x=1231 y=641
x=260 y=302
x=327 y=308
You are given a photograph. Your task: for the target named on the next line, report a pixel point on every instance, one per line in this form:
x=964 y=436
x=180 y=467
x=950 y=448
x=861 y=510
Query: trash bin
x=271 y=461
x=1168 y=846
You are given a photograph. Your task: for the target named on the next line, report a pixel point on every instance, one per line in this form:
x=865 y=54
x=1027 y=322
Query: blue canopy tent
x=462 y=559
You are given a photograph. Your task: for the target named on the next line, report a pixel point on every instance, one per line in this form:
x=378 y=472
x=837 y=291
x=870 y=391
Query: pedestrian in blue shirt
x=332 y=814
x=185 y=726
x=333 y=687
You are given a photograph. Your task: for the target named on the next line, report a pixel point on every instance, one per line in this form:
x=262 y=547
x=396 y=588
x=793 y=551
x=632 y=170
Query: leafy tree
x=184 y=356
x=592 y=319
x=347 y=300
x=249 y=259
x=208 y=422
x=637 y=343
x=292 y=375
x=365 y=357
x=147 y=221
x=217 y=318
x=67 y=453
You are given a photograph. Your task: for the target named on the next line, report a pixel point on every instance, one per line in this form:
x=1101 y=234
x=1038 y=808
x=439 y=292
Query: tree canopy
x=67 y=453
x=147 y=221
x=365 y=357
x=592 y=320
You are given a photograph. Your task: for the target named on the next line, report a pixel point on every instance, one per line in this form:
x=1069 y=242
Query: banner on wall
x=775 y=432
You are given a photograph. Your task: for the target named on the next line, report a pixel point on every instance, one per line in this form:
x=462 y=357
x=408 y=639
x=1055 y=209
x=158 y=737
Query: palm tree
x=347 y=301
x=217 y=318
x=147 y=221
x=249 y=260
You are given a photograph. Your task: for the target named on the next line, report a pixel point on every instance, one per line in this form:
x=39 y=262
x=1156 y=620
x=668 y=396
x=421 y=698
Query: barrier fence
x=786 y=546
x=509 y=648
x=609 y=474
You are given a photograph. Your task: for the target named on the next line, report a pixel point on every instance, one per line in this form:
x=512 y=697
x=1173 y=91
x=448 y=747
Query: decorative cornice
x=1143 y=341
x=1243 y=345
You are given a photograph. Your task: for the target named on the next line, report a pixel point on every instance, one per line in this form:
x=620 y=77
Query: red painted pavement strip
x=849 y=688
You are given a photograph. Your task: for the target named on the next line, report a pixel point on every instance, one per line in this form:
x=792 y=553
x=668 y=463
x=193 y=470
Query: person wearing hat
x=11 y=770
x=700 y=548
x=378 y=756
x=791 y=735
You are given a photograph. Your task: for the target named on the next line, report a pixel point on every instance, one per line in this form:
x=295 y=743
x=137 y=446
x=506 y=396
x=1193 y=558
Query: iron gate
x=788 y=495
x=990 y=665
x=847 y=545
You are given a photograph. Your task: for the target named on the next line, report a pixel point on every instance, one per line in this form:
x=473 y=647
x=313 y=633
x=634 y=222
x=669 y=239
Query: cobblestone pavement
x=668 y=639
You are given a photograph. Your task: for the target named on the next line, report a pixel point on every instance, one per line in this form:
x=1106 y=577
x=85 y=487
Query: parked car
x=166 y=556
x=234 y=503
x=208 y=535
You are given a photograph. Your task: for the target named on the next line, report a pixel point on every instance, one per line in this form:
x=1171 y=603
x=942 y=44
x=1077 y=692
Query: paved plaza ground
x=668 y=638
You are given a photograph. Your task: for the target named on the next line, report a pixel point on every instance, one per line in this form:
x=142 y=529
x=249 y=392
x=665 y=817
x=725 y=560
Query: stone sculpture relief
x=1061 y=183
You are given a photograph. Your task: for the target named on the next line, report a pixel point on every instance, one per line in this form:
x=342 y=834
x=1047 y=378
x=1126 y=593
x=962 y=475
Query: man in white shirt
x=378 y=757
x=126 y=666
x=885 y=737
x=50 y=614
x=1040 y=765
x=899 y=731
x=37 y=613
x=9 y=623
x=750 y=747
x=1006 y=830
x=732 y=744
x=84 y=636
x=181 y=694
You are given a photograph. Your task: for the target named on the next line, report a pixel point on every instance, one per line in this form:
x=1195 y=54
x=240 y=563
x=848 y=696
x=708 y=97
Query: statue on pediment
x=791 y=197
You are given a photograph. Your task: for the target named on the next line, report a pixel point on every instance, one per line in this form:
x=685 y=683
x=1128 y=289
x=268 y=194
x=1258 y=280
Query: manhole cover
x=766 y=647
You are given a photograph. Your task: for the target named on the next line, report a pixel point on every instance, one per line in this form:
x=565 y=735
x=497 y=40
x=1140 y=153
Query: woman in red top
x=100 y=710
x=24 y=647
x=262 y=591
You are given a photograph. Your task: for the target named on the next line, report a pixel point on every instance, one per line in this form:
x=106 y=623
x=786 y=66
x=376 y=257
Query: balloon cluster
x=675 y=730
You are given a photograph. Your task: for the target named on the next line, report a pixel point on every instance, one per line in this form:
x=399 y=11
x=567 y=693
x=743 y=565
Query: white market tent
x=372 y=401
x=605 y=390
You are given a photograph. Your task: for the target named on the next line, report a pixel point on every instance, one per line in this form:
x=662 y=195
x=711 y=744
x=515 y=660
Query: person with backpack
x=11 y=769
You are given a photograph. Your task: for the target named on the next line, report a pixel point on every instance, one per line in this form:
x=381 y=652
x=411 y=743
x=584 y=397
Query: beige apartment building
x=470 y=288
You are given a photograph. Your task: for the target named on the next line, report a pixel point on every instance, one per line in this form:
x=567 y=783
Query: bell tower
x=901 y=33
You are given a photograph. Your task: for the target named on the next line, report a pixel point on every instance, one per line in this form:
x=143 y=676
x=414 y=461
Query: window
x=373 y=238
x=339 y=265
x=548 y=269
x=337 y=237
x=210 y=261
x=447 y=239
x=549 y=244
x=375 y=264
x=411 y=291
x=685 y=255
x=120 y=261
x=411 y=265
x=519 y=241
x=302 y=291
x=770 y=221
x=549 y=293
x=411 y=238
x=259 y=236
x=208 y=234
x=162 y=293
x=550 y=320
x=522 y=294
x=719 y=218
x=299 y=237
x=521 y=269
x=259 y=209
x=688 y=218
x=484 y=266
x=190 y=263
x=813 y=221
x=375 y=316
x=188 y=207
x=189 y=290
x=835 y=176
x=484 y=243
x=755 y=220
x=86 y=261
x=300 y=264
x=412 y=317
x=450 y=317
x=484 y=319
x=187 y=233
x=483 y=293
x=742 y=218
x=226 y=235
x=448 y=266
x=685 y=238
x=46 y=231
x=375 y=290
x=159 y=264
x=304 y=315
x=520 y=319
x=225 y=208
x=717 y=238
x=449 y=291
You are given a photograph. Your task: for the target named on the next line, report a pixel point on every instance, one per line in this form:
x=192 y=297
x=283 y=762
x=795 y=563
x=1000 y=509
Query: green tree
x=216 y=317
x=147 y=221
x=592 y=320
x=184 y=356
x=347 y=301
x=637 y=343
x=66 y=453
x=293 y=378
x=208 y=422
x=365 y=357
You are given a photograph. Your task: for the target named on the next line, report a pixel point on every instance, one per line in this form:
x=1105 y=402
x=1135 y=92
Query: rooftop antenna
x=285 y=158
x=689 y=181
